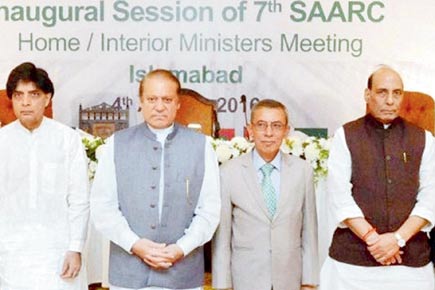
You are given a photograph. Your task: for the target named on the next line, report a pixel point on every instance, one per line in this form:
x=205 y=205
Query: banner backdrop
x=314 y=56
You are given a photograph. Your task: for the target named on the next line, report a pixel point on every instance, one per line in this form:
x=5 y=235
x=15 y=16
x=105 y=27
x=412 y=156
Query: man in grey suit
x=267 y=238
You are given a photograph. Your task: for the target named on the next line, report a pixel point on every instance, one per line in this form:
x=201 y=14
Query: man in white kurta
x=44 y=202
x=395 y=258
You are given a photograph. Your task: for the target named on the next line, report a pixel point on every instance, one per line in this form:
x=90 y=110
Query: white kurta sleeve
x=78 y=195
x=207 y=212
x=105 y=213
x=425 y=205
x=221 y=245
x=339 y=188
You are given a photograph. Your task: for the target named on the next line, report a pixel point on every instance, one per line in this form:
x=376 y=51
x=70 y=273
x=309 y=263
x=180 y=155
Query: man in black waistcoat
x=381 y=185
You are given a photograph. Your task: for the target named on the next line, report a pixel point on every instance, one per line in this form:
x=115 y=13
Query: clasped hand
x=384 y=248
x=157 y=255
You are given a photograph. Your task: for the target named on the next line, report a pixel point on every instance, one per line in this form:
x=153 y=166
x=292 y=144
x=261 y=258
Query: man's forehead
x=155 y=87
x=263 y=111
x=159 y=79
x=387 y=76
x=160 y=96
x=26 y=84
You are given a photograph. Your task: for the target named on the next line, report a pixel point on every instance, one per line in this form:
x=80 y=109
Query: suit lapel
x=286 y=183
x=251 y=180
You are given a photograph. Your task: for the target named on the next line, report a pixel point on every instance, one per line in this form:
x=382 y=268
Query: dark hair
x=271 y=104
x=28 y=72
x=370 y=81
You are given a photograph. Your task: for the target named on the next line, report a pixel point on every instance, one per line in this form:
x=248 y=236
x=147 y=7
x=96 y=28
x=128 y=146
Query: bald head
x=380 y=73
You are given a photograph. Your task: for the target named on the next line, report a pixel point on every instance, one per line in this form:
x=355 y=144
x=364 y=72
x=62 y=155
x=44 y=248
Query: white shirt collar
x=161 y=134
x=259 y=161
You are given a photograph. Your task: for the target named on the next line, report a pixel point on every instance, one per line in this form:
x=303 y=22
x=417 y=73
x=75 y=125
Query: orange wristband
x=366 y=235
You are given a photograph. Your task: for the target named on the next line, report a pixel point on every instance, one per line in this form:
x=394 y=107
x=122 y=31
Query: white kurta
x=341 y=276
x=109 y=219
x=44 y=205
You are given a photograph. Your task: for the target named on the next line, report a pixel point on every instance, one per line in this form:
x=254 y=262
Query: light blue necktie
x=267 y=188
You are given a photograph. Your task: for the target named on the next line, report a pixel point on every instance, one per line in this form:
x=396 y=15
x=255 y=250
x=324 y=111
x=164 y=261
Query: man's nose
x=390 y=98
x=26 y=100
x=269 y=130
x=159 y=105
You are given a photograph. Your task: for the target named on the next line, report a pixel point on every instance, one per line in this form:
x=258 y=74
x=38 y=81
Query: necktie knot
x=266 y=169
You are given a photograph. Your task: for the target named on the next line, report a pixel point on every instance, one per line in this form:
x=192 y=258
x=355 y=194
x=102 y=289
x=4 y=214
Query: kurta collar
x=161 y=134
x=35 y=131
x=152 y=133
x=381 y=126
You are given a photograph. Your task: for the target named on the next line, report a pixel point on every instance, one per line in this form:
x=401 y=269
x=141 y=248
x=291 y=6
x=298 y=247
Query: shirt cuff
x=127 y=241
x=76 y=246
x=346 y=213
x=425 y=214
x=186 y=245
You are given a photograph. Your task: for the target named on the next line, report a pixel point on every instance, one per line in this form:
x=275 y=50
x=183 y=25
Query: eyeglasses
x=274 y=126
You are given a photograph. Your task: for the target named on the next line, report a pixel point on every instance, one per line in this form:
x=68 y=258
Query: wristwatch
x=400 y=241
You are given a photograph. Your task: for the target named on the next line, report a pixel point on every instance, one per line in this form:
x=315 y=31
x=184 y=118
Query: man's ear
x=250 y=132
x=367 y=95
x=47 y=99
x=287 y=130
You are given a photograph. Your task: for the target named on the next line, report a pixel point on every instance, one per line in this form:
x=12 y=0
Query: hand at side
x=71 y=265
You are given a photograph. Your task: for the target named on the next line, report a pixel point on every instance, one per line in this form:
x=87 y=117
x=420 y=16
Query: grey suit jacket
x=252 y=251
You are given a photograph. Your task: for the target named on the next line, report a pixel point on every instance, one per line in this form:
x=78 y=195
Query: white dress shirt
x=44 y=203
x=109 y=219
